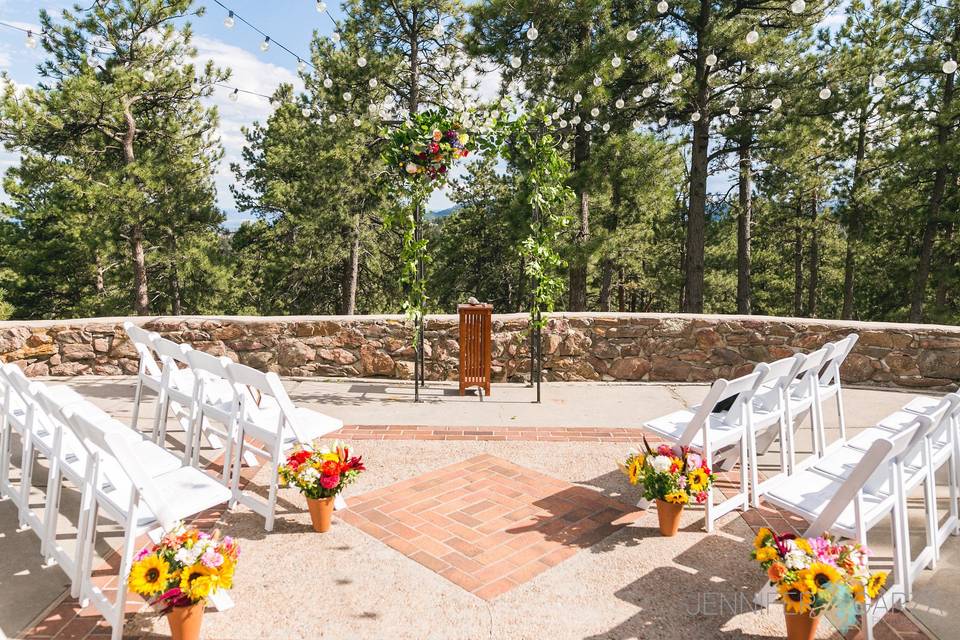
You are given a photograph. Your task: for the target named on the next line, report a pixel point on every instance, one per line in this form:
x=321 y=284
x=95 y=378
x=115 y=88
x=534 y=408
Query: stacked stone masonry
x=577 y=346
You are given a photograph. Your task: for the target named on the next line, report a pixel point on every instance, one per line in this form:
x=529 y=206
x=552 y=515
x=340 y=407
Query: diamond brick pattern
x=486 y=524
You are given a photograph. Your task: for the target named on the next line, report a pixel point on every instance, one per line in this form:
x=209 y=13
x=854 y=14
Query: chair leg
x=274 y=485
x=708 y=506
x=155 y=432
x=930 y=509
x=26 y=480
x=235 y=480
x=841 y=413
x=51 y=509
x=749 y=441
x=137 y=397
x=129 y=540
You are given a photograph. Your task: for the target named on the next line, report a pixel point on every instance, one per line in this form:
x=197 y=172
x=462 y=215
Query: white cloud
x=249 y=73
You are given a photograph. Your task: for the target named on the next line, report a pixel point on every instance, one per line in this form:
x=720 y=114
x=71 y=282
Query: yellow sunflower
x=633 y=471
x=698 y=480
x=796 y=597
x=875 y=584
x=858 y=592
x=191 y=583
x=677 y=497
x=766 y=554
x=761 y=537
x=804 y=545
x=149 y=576
x=819 y=575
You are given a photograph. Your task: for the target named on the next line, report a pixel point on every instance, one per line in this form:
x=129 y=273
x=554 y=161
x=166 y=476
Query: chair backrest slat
x=143 y=342
x=268 y=384
x=830 y=374
x=169 y=349
x=743 y=388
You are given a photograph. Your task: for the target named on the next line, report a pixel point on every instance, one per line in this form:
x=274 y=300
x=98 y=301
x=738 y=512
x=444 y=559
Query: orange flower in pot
x=320 y=473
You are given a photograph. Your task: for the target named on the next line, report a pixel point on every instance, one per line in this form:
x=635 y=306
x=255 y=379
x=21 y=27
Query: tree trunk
x=854 y=227
x=936 y=200
x=351 y=272
x=745 y=199
x=175 y=295
x=814 y=261
x=141 y=299
x=798 y=267
x=606 y=279
x=414 y=98
x=697 y=208
x=621 y=291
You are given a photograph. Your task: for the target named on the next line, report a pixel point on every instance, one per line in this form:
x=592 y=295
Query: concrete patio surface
x=348 y=584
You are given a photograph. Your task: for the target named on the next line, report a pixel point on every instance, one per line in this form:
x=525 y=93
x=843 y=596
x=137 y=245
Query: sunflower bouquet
x=428 y=144
x=817 y=575
x=672 y=474
x=185 y=568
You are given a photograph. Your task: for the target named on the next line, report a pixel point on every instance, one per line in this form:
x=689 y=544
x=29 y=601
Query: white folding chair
x=125 y=490
x=217 y=402
x=176 y=389
x=803 y=397
x=851 y=503
x=829 y=380
x=148 y=369
x=268 y=426
x=717 y=434
x=771 y=408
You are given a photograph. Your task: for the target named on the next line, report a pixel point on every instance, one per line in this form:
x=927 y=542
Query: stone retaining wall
x=578 y=346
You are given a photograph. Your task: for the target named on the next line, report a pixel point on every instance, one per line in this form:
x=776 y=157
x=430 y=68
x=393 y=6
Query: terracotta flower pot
x=185 y=621
x=668 y=514
x=320 y=513
x=801 y=626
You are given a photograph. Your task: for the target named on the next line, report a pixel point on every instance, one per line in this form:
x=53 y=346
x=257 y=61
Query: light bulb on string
x=356 y=122
x=752 y=36
x=265 y=45
x=515 y=62
x=797 y=6
x=438 y=30
x=776 y=103
x=637 y=124
x=711 y=60
x=606 y=127
x=616 y=61
x=565 y=146
x=532 y=34
x=301 y=65
x=335 y=36
x=734 y=110
x=588 y=127
x=949 y=66
x=825 y=93
x=662 y=121
x=548 y=120
x=563 y=124
x=372 y=108
x=879 y=81
x=327 y=83
x=321 y=6
x=195 y=87
x=597 y=81
x=332 y=118
x=228 y=22
x=594 y=112
x=677 y=78
x=556 y=115
x=647 y=92
x=361 y=62
x=373 y=83
x=662 y=6
x=31 y=41
x=577 y=97
x=92 y=59
x=695 y=116
x=619 y=103
x=234 y=95
x=631 y=35
x=347 y=96
x=575 y=120
x=305 y=111
x=561 y=110
x=148 y=75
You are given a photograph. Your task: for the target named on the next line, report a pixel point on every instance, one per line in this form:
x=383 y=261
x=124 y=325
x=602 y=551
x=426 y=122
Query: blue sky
x=291 y=22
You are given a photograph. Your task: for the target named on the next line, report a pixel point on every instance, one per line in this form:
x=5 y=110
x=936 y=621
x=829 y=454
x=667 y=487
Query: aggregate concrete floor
x=633 y=584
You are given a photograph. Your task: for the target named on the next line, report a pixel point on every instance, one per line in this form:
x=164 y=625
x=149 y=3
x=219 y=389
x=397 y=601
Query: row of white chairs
x=237 y=408
x=118 y=474
x=740 y=419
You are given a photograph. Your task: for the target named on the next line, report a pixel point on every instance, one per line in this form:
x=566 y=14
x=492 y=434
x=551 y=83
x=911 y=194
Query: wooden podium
x=475 y=351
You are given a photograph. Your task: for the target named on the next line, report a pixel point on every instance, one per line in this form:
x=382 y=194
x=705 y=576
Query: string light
x=235 y=95
x=532 y=34
x=575 y=120
x=373 y=83
x=677 y=78
x=637 y=124
x=631 y=35
x=695 y=116
x=797 y=6
x=825 y=93
x=347 y=96
x=92 y=59
x=734 y=110
x=356 y=122
x=265 y=45
x=879 y=81
x=332 y=118
x=711 y=60
x=327 y=82
x=619 y=103
x=597 y=81
x=148 y=75
x=565 y=146
x=776 y=103
x=662 y=6
x=31 y=41
x=647 y=92
x=577 y=97
x=752 y=36
x=515 y=62
x=949 y=66
x=616 y=62
x=438 y=30
x=305 y=112
x=335 y=36
x=321 y=6
x=606 y=127
x=595 y=112
x=662 y=121
x=228 y=22
x=361 y=62
x=301 y=65
x=587 y=127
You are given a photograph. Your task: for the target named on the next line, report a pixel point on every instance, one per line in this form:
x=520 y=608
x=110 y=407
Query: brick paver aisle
x=486 y=524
